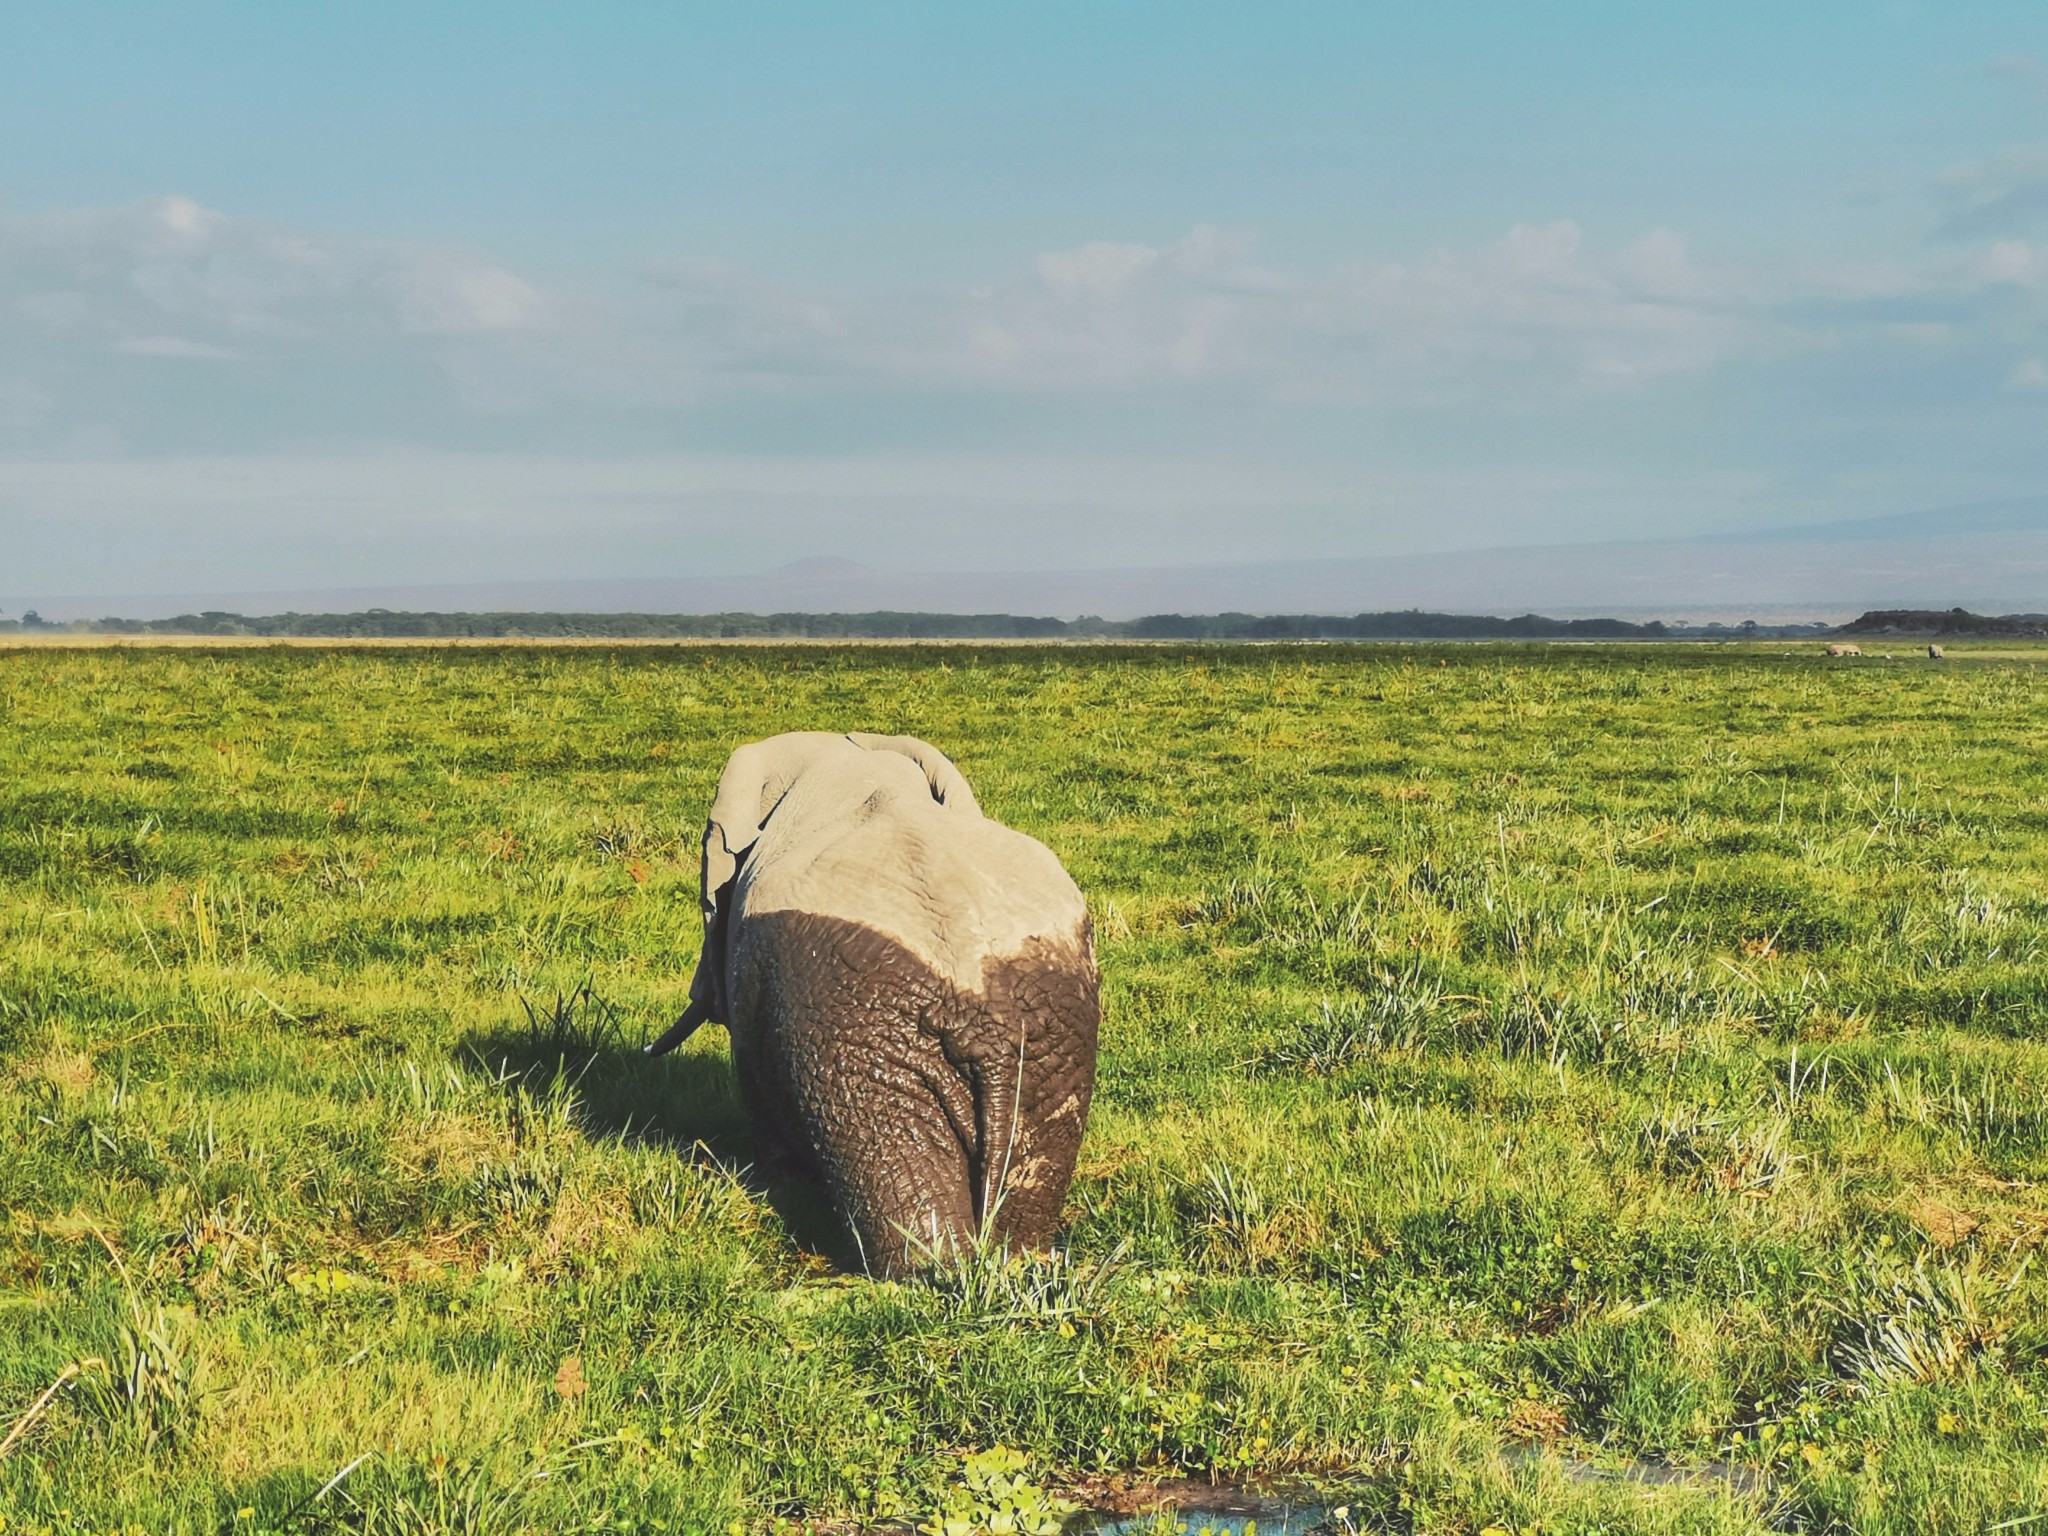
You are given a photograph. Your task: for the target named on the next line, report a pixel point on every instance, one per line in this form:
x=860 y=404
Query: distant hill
x=2022 y=516
x=1952 y=621
x=1991 y=557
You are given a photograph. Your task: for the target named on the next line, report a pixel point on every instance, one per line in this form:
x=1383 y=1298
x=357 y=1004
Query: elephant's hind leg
x=903 y=1183
x=1035 y=1046
x=888 y=1118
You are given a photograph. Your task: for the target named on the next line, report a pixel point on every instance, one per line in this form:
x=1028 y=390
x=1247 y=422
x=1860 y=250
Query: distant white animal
x=1843 y=648
x=1934 y=653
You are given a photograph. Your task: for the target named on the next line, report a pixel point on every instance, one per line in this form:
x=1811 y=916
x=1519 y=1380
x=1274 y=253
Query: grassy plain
x=1516 y=1059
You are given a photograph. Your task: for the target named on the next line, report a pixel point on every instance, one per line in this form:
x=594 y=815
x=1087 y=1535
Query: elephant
x=910 y=988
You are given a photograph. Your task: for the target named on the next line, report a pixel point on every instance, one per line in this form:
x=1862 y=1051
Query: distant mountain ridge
x=1988 y=556
x=2024 y=514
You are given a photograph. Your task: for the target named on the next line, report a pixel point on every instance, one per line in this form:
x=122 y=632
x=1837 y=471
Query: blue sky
x=302 y=296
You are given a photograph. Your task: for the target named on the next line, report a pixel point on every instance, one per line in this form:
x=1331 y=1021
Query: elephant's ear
x=949 y=785
x=747 y=792
x=755 y=779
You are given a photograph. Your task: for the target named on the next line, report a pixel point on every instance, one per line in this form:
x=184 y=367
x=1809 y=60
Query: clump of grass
x=1402 y=1011
x=1932 y=1323
x=570 y=1031
x=983 y=1282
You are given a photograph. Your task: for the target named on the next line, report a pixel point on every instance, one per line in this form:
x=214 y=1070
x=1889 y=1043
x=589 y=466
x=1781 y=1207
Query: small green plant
x=996 y=1496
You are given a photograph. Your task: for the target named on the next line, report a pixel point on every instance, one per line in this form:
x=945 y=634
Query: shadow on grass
x=687 y=1101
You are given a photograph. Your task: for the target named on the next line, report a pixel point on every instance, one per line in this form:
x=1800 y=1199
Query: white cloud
x=182 y=217
x=2012 y=261
x=1658 y=263
x=168 y=267
x=2023 y=70
x=445 y=296
x=1099 y=267
x=338 y=339
x=2005 y=195
x=1450 y=321
x=171 y=346
x=1538 y=249
x=168 y=278
x=323 y=401
x=693 y=320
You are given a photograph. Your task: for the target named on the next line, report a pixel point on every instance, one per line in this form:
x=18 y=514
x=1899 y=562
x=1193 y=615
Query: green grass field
x=1518 y=1063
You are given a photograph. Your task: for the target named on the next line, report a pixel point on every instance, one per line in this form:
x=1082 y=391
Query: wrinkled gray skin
x=910 y=987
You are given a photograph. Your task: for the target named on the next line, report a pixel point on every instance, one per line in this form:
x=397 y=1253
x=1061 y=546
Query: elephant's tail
x=1004 y=1141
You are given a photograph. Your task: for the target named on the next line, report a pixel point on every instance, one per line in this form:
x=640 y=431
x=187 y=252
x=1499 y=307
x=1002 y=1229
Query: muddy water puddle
x=1201 y=1509
x=1311 y=1520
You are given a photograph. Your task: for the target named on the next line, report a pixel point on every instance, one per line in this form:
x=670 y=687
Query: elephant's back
x=949 y=885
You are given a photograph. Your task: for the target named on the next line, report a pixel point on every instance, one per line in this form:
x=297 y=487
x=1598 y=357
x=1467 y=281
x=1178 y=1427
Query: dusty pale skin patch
x=884 y=832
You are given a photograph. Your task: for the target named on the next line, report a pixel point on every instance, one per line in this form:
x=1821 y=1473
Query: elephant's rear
x=927 y=1027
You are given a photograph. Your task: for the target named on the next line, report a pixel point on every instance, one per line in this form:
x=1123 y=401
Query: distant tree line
x=1410 y=625
x=388 y=623
x=381 y=623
